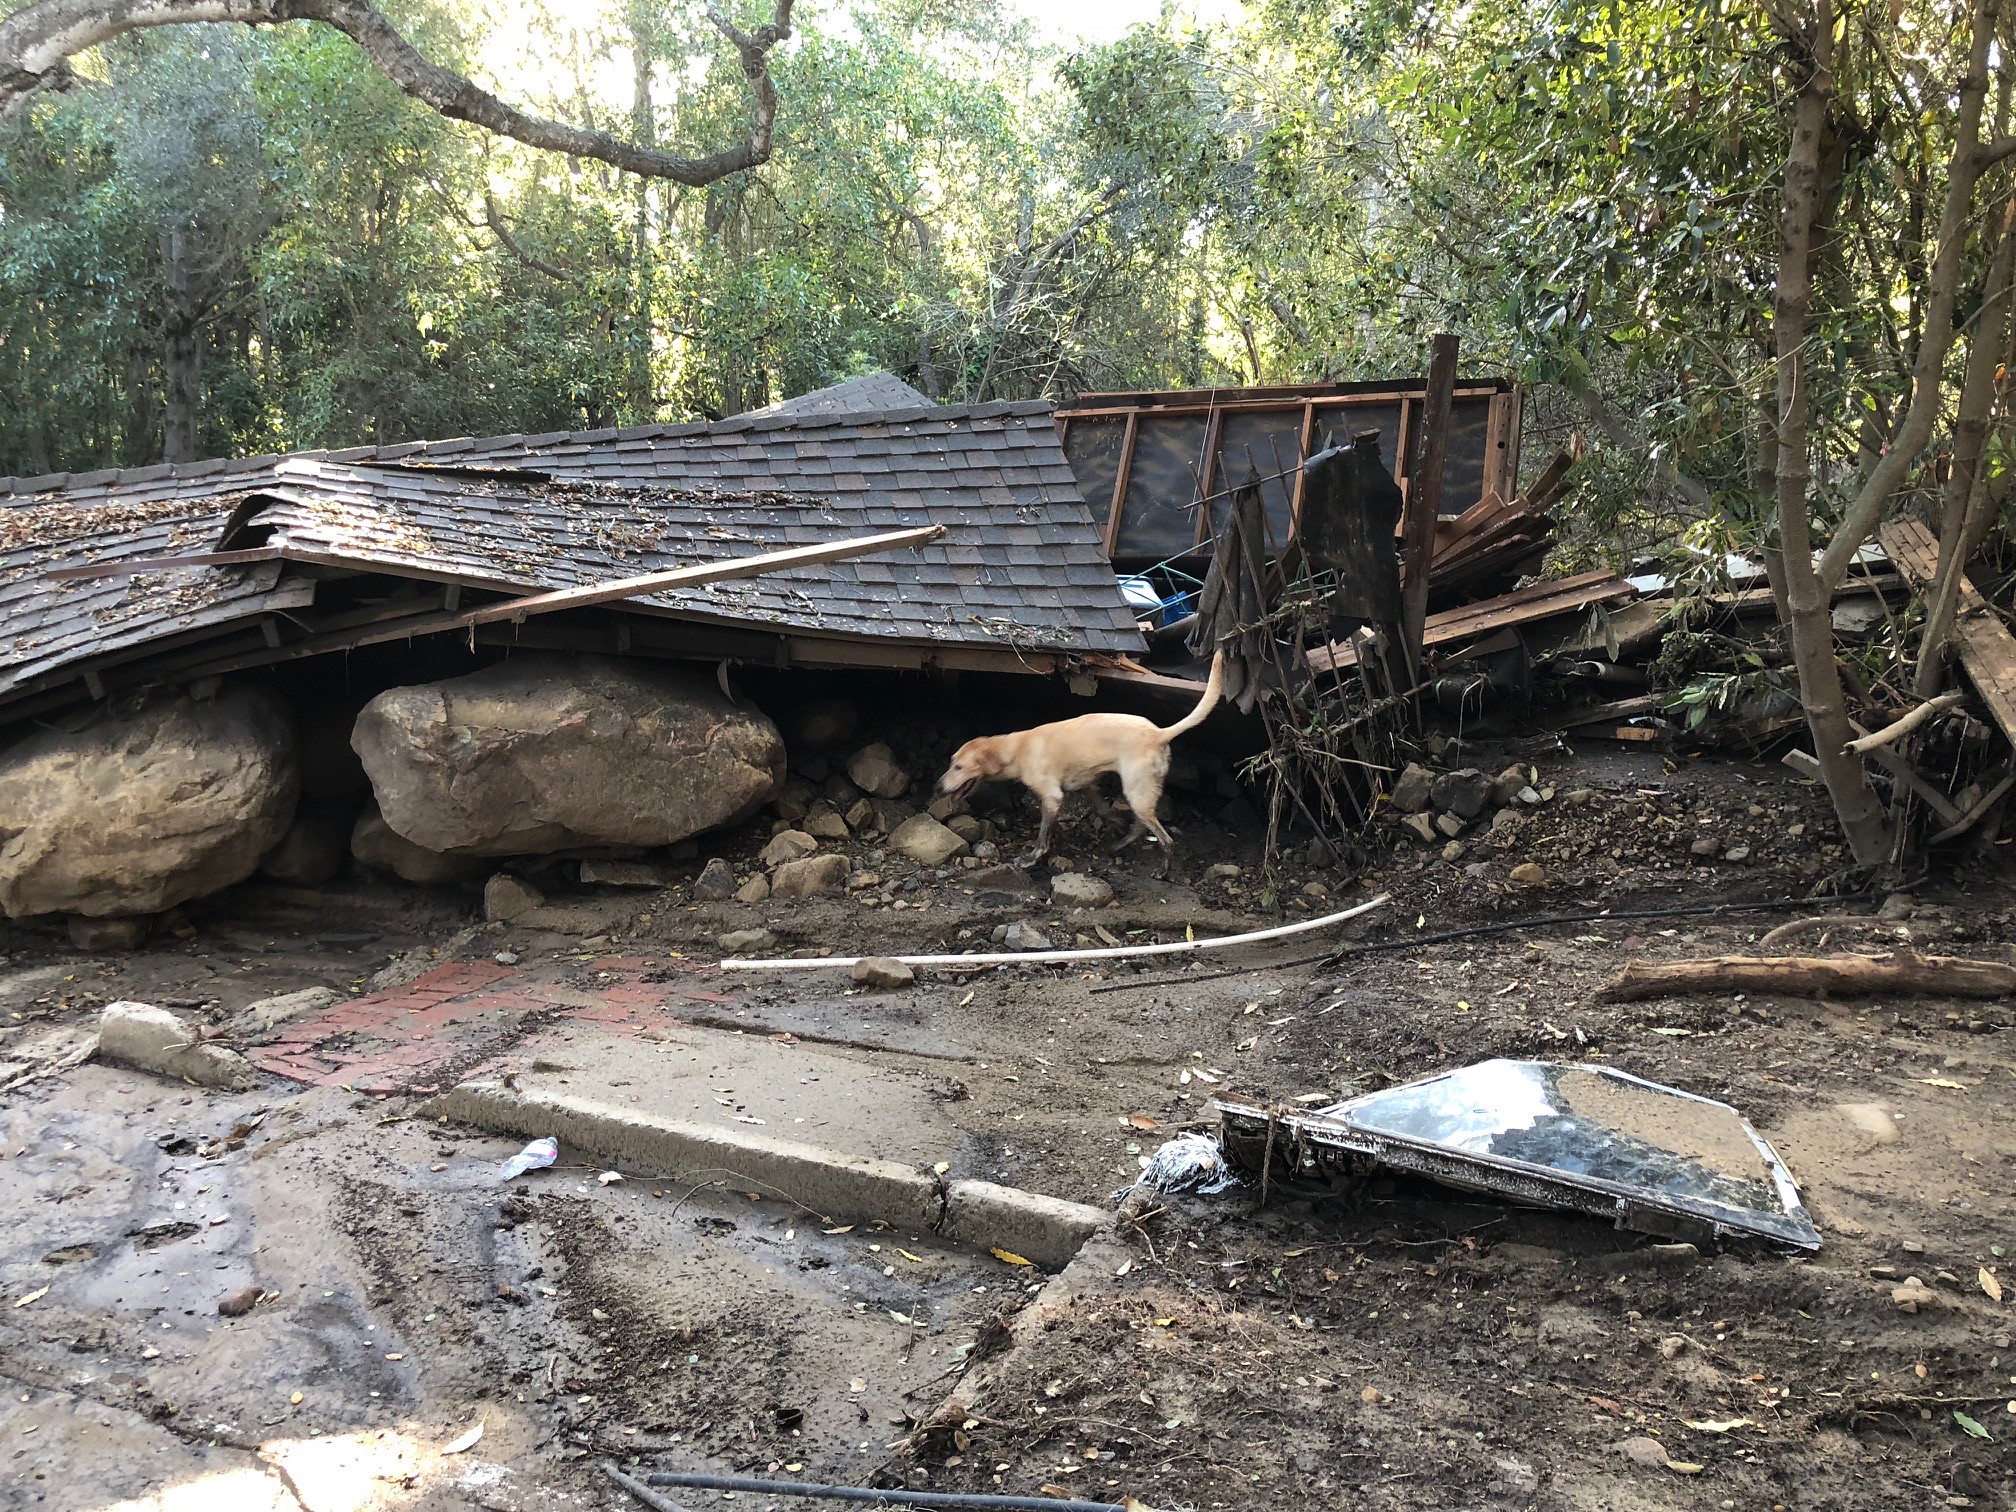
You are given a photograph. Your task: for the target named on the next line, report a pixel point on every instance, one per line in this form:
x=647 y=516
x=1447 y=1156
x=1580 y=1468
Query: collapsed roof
x=1019 y=582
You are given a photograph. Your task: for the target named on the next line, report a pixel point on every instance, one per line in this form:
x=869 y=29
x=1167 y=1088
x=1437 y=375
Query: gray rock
x=839 y=791
x=945 y=806
x=540 y=754
x=788 y=845
x=1709 y=846
x=1080 y=890
x=809 y=877
x=1004 y=878
x=883 y=973
x=87 y=933
x=1530 y=874
x=1421 y=827
x=1221 y=871
x=599 y=872
x=1463 y=794
x=925 y=841
x=268 y=1014
x=860 y=815
x=822 y=724
x=738 y=941
x=755 y=890
x=1455 y=851
x=135 y=813
x=1449 y=824
x=1737 y=853
x=1025 y=936
x=827 y=826
x=875 y=771
x=377 y=845
x=153 y=1039
x=315 y=847
x=1410 y=792
x=716 y=883
x=966 y=827
x=506 y=897
x=889 y=813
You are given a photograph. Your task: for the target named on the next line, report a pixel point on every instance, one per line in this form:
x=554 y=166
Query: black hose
x=870 y=1494
x=1504 y=926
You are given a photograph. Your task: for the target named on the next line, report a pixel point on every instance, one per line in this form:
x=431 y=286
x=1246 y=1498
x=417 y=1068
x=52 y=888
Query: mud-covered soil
x=1408 y=1347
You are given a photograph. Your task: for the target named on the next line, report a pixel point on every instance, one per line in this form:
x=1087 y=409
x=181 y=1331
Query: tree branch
x=1935 y=338
x=37 y=40
x=502 y=232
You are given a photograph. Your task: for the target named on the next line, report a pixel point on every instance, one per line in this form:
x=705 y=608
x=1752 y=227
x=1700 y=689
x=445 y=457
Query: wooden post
x=1424 y=492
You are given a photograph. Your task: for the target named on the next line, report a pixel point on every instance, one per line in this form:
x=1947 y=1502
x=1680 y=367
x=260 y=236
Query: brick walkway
x=462 y=1016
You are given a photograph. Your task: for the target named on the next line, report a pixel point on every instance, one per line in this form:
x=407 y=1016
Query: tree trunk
x=181 y=351
x=1963 y=518
x=1808 y=624
x=644 y=127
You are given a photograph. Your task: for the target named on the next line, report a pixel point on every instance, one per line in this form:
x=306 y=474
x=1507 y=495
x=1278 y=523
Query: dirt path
x=1405 y=1347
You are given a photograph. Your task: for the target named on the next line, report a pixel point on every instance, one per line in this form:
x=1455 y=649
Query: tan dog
x=1054 y=759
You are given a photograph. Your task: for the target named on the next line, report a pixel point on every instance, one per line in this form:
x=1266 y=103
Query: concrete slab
x=745 y=1082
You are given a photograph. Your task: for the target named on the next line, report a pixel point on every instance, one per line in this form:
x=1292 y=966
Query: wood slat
x=1982 y=644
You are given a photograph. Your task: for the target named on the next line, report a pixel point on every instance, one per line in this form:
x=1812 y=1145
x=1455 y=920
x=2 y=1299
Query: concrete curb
x=153 y=1039
x=981 y=1214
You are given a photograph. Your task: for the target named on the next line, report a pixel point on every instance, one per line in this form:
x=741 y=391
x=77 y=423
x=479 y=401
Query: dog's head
x=972 y=764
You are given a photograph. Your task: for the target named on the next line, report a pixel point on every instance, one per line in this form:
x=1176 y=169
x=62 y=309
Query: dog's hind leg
x=1143 y=787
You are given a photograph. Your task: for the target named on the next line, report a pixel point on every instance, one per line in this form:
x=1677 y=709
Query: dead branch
x=1798 y=927
x=1815 y=976
x=1897 y=729
x=37 y=42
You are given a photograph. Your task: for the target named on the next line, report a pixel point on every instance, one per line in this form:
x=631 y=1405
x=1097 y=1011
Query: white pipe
x=1039 y=957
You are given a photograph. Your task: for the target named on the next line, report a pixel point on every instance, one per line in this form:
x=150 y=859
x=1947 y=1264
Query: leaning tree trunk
x=1808 y=623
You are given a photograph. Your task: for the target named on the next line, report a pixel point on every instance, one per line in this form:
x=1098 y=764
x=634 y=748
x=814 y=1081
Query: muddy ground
x=1408 y=1347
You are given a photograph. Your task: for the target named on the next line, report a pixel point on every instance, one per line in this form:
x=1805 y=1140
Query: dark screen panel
x=1160 y=516
x=1092 y=447
x=1257 y=443
x=1469 y=454
x=1340 y=427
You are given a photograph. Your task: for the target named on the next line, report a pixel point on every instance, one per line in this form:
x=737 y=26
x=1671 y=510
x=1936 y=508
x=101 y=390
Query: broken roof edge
x=18 y=492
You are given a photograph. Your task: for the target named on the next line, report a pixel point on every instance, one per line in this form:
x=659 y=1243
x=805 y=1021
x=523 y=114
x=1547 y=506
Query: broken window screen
x=1342 y=425
x=1159 y=517
x=1092 y=446
x=1272 y=440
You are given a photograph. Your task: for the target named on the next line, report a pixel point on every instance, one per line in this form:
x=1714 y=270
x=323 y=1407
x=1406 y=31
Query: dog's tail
x=1205 y=705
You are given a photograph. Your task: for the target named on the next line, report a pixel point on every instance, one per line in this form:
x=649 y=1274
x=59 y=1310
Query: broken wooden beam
x=1980 y=642
x=138 y=565
x=1897 y=729
x=1815 y=976
x=1424 y=492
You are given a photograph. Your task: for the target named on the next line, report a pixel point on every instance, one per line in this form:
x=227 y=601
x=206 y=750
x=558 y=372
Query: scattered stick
x=1897 y=729
x=642 y=1492
x=1967 y=821
x=1823 y=921
x=1816 y=976
x=957 y=1499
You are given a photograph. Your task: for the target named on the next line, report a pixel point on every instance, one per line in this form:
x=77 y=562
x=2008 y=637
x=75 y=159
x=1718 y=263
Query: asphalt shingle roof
x=872 y=391
x=1021 y=564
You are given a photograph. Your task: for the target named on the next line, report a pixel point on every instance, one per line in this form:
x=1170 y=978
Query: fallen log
x=1815 y=976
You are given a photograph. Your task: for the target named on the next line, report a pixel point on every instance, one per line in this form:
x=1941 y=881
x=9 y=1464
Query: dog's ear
x=983 y=756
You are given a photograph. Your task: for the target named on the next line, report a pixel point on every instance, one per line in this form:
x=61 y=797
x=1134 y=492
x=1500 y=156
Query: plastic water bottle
x=536 y=1156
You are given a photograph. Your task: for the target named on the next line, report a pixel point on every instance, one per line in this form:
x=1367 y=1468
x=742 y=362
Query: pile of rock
x=1440 y=808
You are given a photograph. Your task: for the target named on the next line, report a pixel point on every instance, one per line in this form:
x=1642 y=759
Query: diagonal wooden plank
x=1982 y=644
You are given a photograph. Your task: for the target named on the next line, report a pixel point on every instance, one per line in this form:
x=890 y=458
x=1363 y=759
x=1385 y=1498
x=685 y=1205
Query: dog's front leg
x=1052 y=804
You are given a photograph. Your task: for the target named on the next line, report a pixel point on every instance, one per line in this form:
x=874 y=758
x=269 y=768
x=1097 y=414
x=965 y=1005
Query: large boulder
x=540 y=754
x=380 y=848
x=137 y=812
